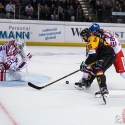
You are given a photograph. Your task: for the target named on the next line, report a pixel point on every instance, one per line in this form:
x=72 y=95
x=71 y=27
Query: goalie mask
x=85 y=34
x=19 y=43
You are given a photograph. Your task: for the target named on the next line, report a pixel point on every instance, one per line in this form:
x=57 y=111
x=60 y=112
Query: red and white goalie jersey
x=13 y=57
x=120 y=60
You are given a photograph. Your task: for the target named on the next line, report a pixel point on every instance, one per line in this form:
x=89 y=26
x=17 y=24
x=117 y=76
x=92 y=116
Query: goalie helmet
x=19 y=43
x=85 y=34
x=94 y=27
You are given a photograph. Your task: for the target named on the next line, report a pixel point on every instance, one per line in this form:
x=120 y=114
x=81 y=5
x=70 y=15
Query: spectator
x=1 y=8
x=72 y=19
x=108 y=10
x=91 y=4
x=88 y=19
x=29 y=10
x=61 y=13
x=17 y=7
x=117 y=3
x=75 y=4
x=99 y=9
x=8 y=16
x=54 y=15
x=116 y=8
x=70 y=12
x=67 y=4
x=123 y=7
x=45 y=12
x=10 y=7
x=51 y=3
x=34 y=3
x=79 y=14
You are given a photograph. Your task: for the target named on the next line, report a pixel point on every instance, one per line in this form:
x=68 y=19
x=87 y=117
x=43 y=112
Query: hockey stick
x=98 y=84
x=26 y=78
x=38 y=88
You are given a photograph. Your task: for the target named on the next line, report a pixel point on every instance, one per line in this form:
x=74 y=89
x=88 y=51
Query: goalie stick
x=98 y=84
x=38 y=88
x=26 y=78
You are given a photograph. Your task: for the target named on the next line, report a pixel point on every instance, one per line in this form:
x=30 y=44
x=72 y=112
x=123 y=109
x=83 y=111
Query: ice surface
x=61 y=103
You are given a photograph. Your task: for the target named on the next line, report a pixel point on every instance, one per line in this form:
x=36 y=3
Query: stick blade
x=34 y=86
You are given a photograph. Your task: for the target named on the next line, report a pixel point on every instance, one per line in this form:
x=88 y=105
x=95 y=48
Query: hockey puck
x=67 y=82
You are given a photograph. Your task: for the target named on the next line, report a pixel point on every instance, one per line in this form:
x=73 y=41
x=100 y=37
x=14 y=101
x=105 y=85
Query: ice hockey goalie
x=14 y=56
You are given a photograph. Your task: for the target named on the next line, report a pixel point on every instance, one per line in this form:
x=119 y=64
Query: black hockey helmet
x=85 y=32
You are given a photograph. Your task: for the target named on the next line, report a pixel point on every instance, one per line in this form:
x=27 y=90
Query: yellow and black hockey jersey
x=96 y=48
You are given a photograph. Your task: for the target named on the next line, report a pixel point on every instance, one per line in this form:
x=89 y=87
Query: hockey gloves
x=83 y=66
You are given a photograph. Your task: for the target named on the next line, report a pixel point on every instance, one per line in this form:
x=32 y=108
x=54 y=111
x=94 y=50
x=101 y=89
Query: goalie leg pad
x=2 y=75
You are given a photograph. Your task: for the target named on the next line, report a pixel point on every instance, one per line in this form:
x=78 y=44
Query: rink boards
x=53 y=33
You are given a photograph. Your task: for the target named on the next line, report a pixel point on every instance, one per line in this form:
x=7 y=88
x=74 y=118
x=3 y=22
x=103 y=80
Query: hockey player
x=100 y=56
x=119 y=63
x=13 y=57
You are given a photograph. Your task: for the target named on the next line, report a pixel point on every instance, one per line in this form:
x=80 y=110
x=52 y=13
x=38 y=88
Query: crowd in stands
x=104 y=9
x=60 y=10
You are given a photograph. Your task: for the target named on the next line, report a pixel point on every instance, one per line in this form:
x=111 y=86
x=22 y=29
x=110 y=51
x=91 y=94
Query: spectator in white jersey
x=10 y=7
x=29 y=10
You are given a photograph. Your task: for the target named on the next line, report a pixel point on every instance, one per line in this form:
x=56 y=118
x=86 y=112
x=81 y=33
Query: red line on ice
x=8 y=115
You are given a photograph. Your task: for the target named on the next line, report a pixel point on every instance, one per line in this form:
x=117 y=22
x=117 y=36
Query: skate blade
x=80 y=88
x=100 y=96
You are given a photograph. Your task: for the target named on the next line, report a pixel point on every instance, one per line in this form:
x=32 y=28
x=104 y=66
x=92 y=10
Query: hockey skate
x=103 y=92
x=82 y=84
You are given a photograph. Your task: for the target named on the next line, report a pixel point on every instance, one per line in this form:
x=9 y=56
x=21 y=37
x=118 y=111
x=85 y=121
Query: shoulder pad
x=93 y=43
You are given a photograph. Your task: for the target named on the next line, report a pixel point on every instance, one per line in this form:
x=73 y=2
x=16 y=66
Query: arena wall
x=52 y=33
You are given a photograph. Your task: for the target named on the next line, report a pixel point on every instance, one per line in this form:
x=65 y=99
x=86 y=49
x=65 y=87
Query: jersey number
x=113 y=42
x=90 y=46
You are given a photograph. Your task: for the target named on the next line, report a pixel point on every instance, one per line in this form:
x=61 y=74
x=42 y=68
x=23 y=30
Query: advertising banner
x=72 y=33
x=34 y=32
x=49 y=31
